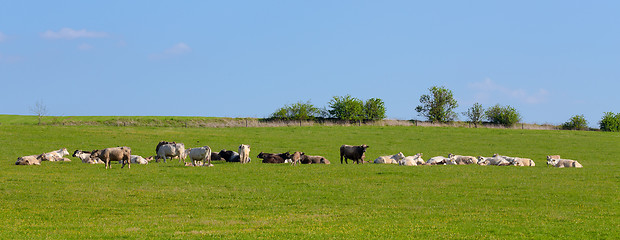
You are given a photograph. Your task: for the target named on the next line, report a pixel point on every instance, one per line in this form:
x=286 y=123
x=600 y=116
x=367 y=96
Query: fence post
x=246 y=122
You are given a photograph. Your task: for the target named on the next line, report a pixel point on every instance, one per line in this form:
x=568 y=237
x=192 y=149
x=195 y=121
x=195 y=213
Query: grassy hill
x=72 y=200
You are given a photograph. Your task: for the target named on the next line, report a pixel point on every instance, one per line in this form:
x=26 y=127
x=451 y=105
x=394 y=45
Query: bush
x=346 y=108
x=577 y=122
x=507 y=116
x=438 y=106
x=610 y=122
x=475 y=114
x=374 y=109
x=297 y=111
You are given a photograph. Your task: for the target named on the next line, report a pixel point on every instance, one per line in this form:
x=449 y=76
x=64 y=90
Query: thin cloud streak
x=488 y=89
x=68 y=33
x=178 y=49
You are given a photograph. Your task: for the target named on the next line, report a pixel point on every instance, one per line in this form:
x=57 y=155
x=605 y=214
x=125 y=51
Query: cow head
x=95 y=154
x=364 y=146
x=76 y=153
x=285 y=155
x=400 y=156
x=551 y=161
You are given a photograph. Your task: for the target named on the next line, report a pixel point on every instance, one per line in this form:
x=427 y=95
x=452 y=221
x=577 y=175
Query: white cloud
x=68 y=33
x=177 y=49
x=489 y=91
x=85 y=46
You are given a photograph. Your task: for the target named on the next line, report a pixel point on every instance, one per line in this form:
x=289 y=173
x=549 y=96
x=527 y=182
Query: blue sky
x=548 y=59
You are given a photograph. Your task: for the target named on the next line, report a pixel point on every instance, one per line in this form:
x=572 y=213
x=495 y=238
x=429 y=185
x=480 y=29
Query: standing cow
x=108 y=155
x=170 y=149
x=200 y=154
x=244 y=153
x=355 y=153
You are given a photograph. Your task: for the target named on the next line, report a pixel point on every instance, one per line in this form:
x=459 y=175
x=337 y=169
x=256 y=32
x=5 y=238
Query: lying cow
x=498 y=161
x=85 y=157
x=244 y=153
x=391 y=159
x=31 y=160
x=200 y=154
x=58 y=155
x=355 y=153
x=230 y=156
x=562 y=163
x=113 y=154
x=439 y=160
x=463 y=160
x=216 y=156
x=412 y=160
x=167 y=149
x=137 y=159
x=274 y=158
x=517 y=161
x=307 y=159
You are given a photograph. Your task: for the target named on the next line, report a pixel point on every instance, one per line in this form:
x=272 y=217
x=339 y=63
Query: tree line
x=345 y=108
x=436 y=106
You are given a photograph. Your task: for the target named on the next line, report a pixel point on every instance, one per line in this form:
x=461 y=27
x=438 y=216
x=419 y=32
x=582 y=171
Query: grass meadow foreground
x=72 y=200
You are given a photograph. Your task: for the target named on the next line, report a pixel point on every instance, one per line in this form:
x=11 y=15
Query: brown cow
x=308 y=159
x=274 y=158
x=113 y=154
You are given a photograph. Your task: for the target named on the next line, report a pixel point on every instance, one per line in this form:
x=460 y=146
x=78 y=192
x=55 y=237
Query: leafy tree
x=506 y=116
x=297 y=111
x=610 y=122
x=475 y=114
x=438 y=106
x=346 y=108
x=374 y=109
x=577 y=122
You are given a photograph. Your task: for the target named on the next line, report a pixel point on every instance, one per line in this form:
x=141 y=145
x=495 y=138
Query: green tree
x=577 y=122
x=297 y=111
x=346 y=108
x=506 y=116
x=438 y=105
x=610 y=122
x=475 y=114
x=374 y=109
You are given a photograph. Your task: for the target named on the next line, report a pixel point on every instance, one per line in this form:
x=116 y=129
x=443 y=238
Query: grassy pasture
x=72 y=200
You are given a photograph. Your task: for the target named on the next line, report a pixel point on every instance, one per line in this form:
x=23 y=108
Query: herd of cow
x=202 y=156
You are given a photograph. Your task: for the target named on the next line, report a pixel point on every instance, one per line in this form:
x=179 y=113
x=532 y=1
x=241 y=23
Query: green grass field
x=72 y=200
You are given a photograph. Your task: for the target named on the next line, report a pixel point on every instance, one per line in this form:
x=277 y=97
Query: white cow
x=58 y=155
x=171 y=150
x=412 y=160
x=201 y=154
x=439 y=160
x=517 y=161
x=137 y=159
x=392 y=159
x=498 y=161
x=561 y=163
x=244 y=153
x=85 y=157
x=523 y=162
x=463 y=160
